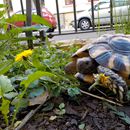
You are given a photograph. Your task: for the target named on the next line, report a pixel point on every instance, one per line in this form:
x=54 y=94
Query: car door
x=102 y=13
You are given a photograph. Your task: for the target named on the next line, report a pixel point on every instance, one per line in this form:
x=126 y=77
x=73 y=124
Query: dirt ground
x=81 y=113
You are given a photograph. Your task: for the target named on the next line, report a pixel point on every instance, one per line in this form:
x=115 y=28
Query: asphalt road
x=87 y=35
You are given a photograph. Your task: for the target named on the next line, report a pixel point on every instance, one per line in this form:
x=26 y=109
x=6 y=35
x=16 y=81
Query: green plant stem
x=30 y=63
x=18 y=105
x=93 y=85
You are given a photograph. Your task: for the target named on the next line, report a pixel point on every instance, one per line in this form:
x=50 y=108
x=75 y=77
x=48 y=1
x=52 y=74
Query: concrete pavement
x=82 y=36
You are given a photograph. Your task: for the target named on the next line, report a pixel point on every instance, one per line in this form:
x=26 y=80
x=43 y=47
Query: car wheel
x=84 y=24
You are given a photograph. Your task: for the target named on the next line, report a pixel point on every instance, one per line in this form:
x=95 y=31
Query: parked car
x=45 y=14
x=102 y=14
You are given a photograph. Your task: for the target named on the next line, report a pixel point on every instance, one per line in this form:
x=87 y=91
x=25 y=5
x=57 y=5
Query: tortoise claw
x=121 y=96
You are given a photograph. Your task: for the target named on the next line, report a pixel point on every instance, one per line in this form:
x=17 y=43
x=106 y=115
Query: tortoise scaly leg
x=116 y=84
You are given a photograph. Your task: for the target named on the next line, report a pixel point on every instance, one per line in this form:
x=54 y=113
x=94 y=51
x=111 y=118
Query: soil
x=81 y=113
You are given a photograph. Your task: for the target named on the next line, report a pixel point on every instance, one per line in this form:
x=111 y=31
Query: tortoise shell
x=111 y=51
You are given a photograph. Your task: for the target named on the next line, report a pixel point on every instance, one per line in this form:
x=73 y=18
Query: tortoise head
x=86 y=65
x=70 y=68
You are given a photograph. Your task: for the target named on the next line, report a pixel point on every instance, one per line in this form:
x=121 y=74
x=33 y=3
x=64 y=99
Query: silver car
x=121 y=11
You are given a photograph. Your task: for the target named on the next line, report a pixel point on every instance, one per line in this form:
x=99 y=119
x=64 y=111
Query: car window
x=102 y=5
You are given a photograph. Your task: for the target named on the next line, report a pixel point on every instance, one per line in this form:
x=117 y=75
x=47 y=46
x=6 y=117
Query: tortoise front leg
x=116 y=84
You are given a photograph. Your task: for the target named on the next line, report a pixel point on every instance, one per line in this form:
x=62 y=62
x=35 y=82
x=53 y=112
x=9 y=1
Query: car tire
x=84 y=24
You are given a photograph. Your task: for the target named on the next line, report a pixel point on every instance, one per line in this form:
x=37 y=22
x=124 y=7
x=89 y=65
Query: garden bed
x=82 y=113
x=63 y=111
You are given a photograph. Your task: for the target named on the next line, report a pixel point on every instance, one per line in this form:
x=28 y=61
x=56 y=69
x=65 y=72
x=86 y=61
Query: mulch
x=84 y=111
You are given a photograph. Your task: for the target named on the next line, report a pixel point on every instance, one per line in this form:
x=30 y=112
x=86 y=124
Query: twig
x=31 y=114
x=101 y=98
x=85 y=114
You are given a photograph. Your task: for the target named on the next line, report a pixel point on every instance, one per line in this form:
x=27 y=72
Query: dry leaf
x=39 y=99
x=52 y=118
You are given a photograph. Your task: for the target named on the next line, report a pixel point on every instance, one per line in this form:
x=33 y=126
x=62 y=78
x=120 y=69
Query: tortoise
x=110 y=55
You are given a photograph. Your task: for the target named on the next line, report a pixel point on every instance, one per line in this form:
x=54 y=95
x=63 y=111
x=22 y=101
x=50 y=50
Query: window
x=68 y=2
x=104 y=6
x=120 y=3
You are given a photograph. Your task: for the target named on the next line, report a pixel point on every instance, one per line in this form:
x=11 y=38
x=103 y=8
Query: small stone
x=68 y=124
x=74 y=122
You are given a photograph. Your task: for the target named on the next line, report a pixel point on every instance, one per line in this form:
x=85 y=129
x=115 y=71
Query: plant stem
x=93 y=85
x=18 y=105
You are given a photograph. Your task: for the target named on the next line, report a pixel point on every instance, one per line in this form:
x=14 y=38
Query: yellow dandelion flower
x=104 y=79
x=23 y=54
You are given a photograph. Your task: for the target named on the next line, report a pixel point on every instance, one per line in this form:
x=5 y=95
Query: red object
x=45 y=14
x=49 y=17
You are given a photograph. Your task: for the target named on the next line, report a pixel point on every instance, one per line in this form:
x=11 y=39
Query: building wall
x=80 y=5
x=17 y=6
x=66 y=11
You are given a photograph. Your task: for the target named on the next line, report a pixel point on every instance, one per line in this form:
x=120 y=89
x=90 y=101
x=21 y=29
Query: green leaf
x=5 y=109
x=5 y=66
x=126 y=119
x=5 y=85
x=10 y=95
x=36 y=92
x=2 y=13
x=121 y=114
x=35 y=76
x=62 y=105
x=4 y=37
x=48 y=79
x=23 y=103
x=60 y=112
x=48 y=107
x=16 y=18
x=3 y=5
x=5 y=106
x=35 y=19
x=82 y=126
x=34 y=84
x=36 y=62
x=40 y=20
x=17 y=78
x=73 y=91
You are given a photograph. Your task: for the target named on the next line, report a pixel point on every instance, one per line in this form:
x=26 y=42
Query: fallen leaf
x=52 y=118
x=38 y=99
